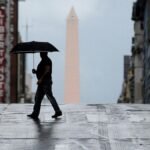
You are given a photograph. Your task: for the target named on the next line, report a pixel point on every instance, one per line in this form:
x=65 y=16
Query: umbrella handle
x=33 y=60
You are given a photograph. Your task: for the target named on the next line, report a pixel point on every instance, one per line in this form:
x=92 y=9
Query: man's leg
x=38 y=99
x=49 y=94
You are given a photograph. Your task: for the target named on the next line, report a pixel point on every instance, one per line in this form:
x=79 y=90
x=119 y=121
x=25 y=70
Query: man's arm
x=47 y=69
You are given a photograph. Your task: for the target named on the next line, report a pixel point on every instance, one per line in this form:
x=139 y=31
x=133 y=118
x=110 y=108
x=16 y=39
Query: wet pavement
x=82 y=127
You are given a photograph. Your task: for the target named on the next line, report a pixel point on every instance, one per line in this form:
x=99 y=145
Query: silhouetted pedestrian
x=44 y=76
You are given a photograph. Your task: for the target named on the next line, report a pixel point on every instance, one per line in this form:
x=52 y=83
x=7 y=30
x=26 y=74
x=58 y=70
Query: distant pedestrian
x=44 y=76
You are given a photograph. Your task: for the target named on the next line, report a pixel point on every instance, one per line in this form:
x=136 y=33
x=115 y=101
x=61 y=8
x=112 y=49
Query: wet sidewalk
x=82 y=127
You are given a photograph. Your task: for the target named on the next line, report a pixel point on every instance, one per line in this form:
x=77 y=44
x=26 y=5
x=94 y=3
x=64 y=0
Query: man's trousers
x=42 y=90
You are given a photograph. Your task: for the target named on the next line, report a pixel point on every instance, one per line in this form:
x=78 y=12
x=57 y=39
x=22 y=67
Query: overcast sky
x=105 y=32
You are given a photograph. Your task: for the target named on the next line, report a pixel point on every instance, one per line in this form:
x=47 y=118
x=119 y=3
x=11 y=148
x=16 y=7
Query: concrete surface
x=82 y=127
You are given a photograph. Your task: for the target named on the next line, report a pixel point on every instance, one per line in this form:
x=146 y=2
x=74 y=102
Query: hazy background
x=105 y=32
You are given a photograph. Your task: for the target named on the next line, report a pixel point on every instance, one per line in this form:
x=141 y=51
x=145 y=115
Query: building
x=12 y=67
x=21 y=67
x=3 y=78
x=28 y=88
x=127 y=62
x=72 y=73
x=145 y=10
x=138 y=54
x=142 y=15
x=127 y=93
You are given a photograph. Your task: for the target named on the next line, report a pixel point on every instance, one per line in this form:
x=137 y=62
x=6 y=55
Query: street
x=82 y=127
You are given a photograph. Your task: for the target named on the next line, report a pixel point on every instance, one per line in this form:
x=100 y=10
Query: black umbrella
x=33 y=47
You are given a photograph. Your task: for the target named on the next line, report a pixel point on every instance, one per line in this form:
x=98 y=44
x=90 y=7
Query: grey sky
x=105 y=31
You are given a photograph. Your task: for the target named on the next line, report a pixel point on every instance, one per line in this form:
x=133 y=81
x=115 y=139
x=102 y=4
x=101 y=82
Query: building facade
x=12 y=67
x=142 y=15
x=135 y=73
x=127 y=93
x=146 y=21
x=28 y=88
x=141 y=51
x=138 y=52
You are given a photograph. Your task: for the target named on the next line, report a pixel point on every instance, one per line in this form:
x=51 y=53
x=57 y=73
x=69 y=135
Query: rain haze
x=105 y=32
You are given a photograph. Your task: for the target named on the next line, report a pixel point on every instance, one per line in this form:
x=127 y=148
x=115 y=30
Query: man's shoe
x=57 y=114
x=33 y=117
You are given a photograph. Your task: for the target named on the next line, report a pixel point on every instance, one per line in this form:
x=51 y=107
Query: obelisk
x=72 y=71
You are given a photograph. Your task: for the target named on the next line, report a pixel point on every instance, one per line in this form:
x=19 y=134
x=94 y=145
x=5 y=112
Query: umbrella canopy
x=33 y=47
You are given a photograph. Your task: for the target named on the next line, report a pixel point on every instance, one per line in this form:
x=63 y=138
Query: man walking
x=44 y=76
